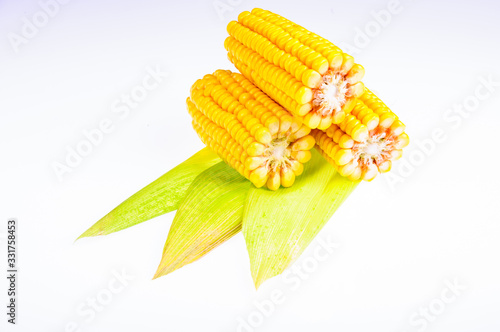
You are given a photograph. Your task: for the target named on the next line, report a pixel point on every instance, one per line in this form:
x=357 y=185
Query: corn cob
x=364 y=154
x=248 y=130
x=305 y=73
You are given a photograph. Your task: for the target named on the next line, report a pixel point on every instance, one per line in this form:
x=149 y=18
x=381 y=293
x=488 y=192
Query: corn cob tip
x=333 y=98
x=366 y=142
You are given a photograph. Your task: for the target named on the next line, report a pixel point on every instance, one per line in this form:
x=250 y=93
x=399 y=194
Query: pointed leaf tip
x=161 y=196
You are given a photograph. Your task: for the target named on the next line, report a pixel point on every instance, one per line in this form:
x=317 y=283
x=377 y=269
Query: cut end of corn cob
x=248 y=130
x=302 y=71
x=366 y=142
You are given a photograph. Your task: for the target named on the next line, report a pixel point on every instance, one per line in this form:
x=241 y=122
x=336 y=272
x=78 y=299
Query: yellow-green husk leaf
x=279 y=225
x=210 y=214
x=161 y=196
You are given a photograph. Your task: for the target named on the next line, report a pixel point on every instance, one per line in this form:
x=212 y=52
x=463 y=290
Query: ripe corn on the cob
x=248 y=130
x=363 y=153
x=305 y=73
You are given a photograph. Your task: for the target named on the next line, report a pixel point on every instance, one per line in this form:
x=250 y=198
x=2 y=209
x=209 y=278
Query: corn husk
x=161 y=196
x=214 y=202
x=210 y=214
x=279 y=225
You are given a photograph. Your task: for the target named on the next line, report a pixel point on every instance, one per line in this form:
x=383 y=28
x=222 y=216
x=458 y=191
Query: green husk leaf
x=161 y=196
x=210 y=214
x=279 y=225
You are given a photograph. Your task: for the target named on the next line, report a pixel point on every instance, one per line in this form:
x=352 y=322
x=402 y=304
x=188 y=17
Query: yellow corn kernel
x=274 y=181
x=363 y=156
x=287 y=177
x=248 y=130
x=305 y=73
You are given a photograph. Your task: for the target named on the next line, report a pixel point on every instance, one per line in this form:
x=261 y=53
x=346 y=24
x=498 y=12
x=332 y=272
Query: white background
x=399 y=242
